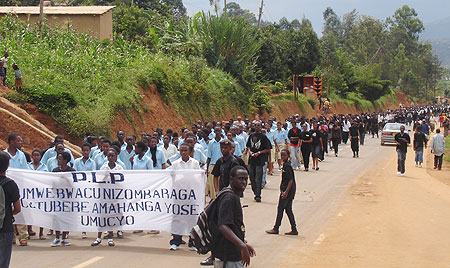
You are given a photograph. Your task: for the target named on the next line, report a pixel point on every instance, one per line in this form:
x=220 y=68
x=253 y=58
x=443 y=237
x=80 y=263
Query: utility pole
x=224 y=5
x=41 y=16
x=260 y=13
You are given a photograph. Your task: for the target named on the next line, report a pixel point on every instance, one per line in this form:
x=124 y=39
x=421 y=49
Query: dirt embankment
x=34 y=127
x=39 y=129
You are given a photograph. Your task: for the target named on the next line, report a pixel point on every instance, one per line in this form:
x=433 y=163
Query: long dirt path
x=387 y=221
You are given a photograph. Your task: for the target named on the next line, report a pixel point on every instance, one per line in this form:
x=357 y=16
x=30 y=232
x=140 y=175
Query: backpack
x=205 y=233
x=3 y=204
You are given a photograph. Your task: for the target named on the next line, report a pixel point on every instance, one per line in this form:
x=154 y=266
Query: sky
x=429 y=11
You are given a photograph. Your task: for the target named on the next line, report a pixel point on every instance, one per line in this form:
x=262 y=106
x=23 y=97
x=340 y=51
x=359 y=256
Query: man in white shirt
x=184 y=163
x=437 y=148
x=168 y=148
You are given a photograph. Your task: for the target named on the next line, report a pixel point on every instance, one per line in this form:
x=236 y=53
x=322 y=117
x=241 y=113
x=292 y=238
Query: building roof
x=59 y=10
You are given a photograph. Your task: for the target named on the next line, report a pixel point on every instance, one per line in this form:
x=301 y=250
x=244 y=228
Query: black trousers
x=285 y=205
x=344 y=137
x=355 y=144
x=438 y=161
x=336 y=142
x=306 y=152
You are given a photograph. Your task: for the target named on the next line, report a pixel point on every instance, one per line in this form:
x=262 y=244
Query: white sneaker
x=420 y=165
x=173 y=247
x=83 y=235
x=192 y=248
x=403 y=174
x=416 y=165
x=398 y=172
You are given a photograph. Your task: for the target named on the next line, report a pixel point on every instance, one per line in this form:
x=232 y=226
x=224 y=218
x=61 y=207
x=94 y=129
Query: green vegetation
x=82 y=82
x=447 y=149
x=202 y=64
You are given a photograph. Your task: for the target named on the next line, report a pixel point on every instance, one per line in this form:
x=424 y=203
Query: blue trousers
x=6 y=240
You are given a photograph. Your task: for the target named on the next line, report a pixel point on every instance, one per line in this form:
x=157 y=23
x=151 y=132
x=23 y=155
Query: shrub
x=260 y=100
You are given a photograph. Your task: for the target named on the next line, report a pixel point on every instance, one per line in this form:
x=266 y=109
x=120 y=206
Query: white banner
x=108 y=201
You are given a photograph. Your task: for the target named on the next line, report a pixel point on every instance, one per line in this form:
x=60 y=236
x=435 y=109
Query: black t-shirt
x=258 y=142
x=354 y=131
x=222 y=169
x=403 y=145
x=11 y=196
x=229 y=214
x=286 y=176
x=305 y=136
x=316 y=135
x=419 y=140
x=69 y=169
x=294 y=133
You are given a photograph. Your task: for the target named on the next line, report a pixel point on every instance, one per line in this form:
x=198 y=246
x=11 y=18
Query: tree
x=234 y=10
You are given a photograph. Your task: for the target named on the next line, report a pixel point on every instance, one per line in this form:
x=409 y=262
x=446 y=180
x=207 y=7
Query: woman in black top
x=306 y=140
x=354 y=137
x=287 y=188
x=316 y=145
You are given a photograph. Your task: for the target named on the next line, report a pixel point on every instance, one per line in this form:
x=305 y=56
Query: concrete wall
x=99 y=25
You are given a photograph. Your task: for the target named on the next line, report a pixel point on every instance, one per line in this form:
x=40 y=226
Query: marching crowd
x=229 y=152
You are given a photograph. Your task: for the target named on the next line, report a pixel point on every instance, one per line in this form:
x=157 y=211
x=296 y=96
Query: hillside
x=438 y=35
x=39 y=129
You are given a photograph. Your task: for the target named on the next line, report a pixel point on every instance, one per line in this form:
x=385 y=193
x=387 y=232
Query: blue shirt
x=214 y=152
x=52 y=163
x=99 y=160
x=79 y=165
x=41 y=167
x=124 y=156
x=280 y=136
x=145 y=163
x=18 y=160
x=269 y=135
x=237 y=149
x=51 y=153
x=94 y=151
x=241 y=142
x=160 y=158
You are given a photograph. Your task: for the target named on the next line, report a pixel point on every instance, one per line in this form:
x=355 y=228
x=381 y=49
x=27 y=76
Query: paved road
x=318 y=195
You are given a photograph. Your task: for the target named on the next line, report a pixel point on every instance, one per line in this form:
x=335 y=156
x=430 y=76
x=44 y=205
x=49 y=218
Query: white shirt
x=346 y=126
x=190 y=164
x=170 y=151
x=106 y=167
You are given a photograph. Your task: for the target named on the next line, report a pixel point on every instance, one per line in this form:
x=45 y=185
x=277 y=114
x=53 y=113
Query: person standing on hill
x=402 y=140
x=18 y=76
x=437 y=148
x=4 y=60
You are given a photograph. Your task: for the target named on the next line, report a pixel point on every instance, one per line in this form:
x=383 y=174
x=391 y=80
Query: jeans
x=263 y=180
x=285 y=205
x=255 y=173
x=401 y=161
x=363 y=136
x=295 y=157
x=438 y=161
x=419 y=155
x=6 y=240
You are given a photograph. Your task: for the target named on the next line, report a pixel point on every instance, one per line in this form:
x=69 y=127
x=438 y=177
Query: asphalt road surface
x=319 y=193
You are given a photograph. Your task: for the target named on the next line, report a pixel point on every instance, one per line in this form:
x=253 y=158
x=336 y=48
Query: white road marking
x=88 y=262
x=320 y=239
